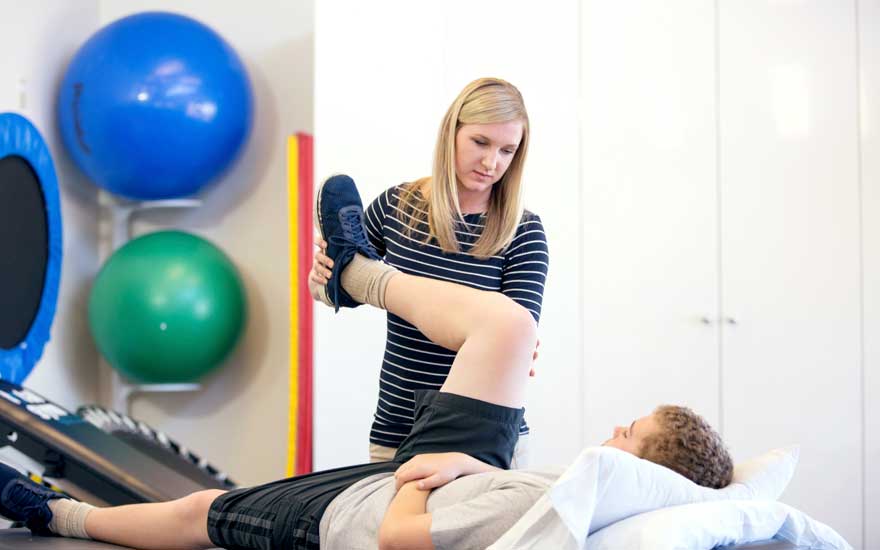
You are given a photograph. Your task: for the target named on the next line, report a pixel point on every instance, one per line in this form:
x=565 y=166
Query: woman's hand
x=320 y=273
x=535 y=357
x=437 y=469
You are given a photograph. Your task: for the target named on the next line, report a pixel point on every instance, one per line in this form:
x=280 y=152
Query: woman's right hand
x=320 y=272
x=432 y=470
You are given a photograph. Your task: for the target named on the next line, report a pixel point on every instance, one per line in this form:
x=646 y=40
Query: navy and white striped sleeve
x=374 y=219
x=525 y=265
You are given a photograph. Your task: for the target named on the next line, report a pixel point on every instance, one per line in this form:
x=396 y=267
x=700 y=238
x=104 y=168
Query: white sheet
x=712 y=524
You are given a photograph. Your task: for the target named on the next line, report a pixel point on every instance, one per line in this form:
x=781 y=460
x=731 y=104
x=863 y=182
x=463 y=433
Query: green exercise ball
x=167 y=307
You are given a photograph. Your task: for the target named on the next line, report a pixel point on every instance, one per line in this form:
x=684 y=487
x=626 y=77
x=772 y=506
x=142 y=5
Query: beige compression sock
x=366 y=280
x=69 y=517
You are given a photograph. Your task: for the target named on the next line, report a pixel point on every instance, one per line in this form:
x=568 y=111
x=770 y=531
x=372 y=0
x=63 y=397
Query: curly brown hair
x=687 y=444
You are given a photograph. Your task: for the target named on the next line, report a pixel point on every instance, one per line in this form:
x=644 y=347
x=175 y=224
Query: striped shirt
x=411 y=361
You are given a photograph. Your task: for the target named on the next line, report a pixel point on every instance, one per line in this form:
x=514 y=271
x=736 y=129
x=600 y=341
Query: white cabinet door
x=649 y=210
x=790 y=246
x=869 y=34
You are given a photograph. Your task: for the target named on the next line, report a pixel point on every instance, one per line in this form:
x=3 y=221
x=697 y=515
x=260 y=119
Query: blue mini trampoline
x=30 y=246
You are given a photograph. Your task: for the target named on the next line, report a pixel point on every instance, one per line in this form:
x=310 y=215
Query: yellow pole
x=293 y=239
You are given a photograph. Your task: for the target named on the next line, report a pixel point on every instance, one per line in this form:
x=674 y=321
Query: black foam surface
x=24 y=249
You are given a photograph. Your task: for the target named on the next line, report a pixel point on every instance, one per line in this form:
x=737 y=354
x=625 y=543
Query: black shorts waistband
x=469 y=405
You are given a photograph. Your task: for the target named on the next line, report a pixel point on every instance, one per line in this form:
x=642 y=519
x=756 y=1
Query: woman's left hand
x=534 y=357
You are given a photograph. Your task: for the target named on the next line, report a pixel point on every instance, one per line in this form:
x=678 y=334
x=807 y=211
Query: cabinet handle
x=706 y=321
x=730 y=320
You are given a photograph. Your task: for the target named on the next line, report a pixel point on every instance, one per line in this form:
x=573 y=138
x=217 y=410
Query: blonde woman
x=464 y=224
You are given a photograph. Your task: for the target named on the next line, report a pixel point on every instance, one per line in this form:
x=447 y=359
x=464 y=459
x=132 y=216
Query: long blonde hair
x=483 y=101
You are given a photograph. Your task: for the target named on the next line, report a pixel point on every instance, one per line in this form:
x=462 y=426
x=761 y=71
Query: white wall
x=38 y=39
x=649 y=208
x=869 y=49
x=364 y=80
x=239 y=418
x=385 y=74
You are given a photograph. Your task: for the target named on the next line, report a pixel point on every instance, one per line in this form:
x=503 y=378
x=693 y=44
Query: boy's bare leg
x=177 y=524
x=495 y=337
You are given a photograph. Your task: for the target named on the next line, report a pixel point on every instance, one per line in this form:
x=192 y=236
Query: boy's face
x=630 y=438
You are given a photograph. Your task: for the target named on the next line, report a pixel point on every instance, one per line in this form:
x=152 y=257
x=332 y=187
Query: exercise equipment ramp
x=72 y=449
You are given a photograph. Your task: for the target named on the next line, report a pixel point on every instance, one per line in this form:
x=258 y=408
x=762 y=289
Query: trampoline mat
x=24 y=249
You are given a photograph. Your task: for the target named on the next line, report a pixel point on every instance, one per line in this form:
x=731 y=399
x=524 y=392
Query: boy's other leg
x=177 y=524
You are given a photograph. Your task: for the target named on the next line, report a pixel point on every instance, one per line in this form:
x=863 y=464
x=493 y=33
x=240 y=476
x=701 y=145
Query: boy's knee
x=194 y=507
x=517 y=324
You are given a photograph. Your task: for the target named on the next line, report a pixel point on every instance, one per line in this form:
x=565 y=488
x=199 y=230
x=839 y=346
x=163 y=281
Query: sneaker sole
x=327 y=301
x=318 y=208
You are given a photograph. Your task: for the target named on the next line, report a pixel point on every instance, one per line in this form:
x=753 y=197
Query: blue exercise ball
x=154 y=106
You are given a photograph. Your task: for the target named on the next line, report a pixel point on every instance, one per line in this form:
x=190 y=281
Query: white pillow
x=634 y=485
x=768 y=475
x=711 y=524
x=605 y=485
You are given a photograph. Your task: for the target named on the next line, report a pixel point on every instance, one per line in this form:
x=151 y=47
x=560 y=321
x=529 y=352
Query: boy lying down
x=470 y=426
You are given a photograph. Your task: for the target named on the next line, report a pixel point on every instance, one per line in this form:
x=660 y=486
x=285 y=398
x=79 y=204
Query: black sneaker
x=23 y=500
x=339 y=215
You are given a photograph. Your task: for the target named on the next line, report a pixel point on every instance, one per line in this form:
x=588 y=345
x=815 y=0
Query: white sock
x=69 y=517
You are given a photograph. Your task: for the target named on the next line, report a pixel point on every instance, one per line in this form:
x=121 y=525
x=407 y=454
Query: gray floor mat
x=22 y=539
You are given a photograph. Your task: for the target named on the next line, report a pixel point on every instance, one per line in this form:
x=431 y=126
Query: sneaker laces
x=352 y=220
x=353 y=241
